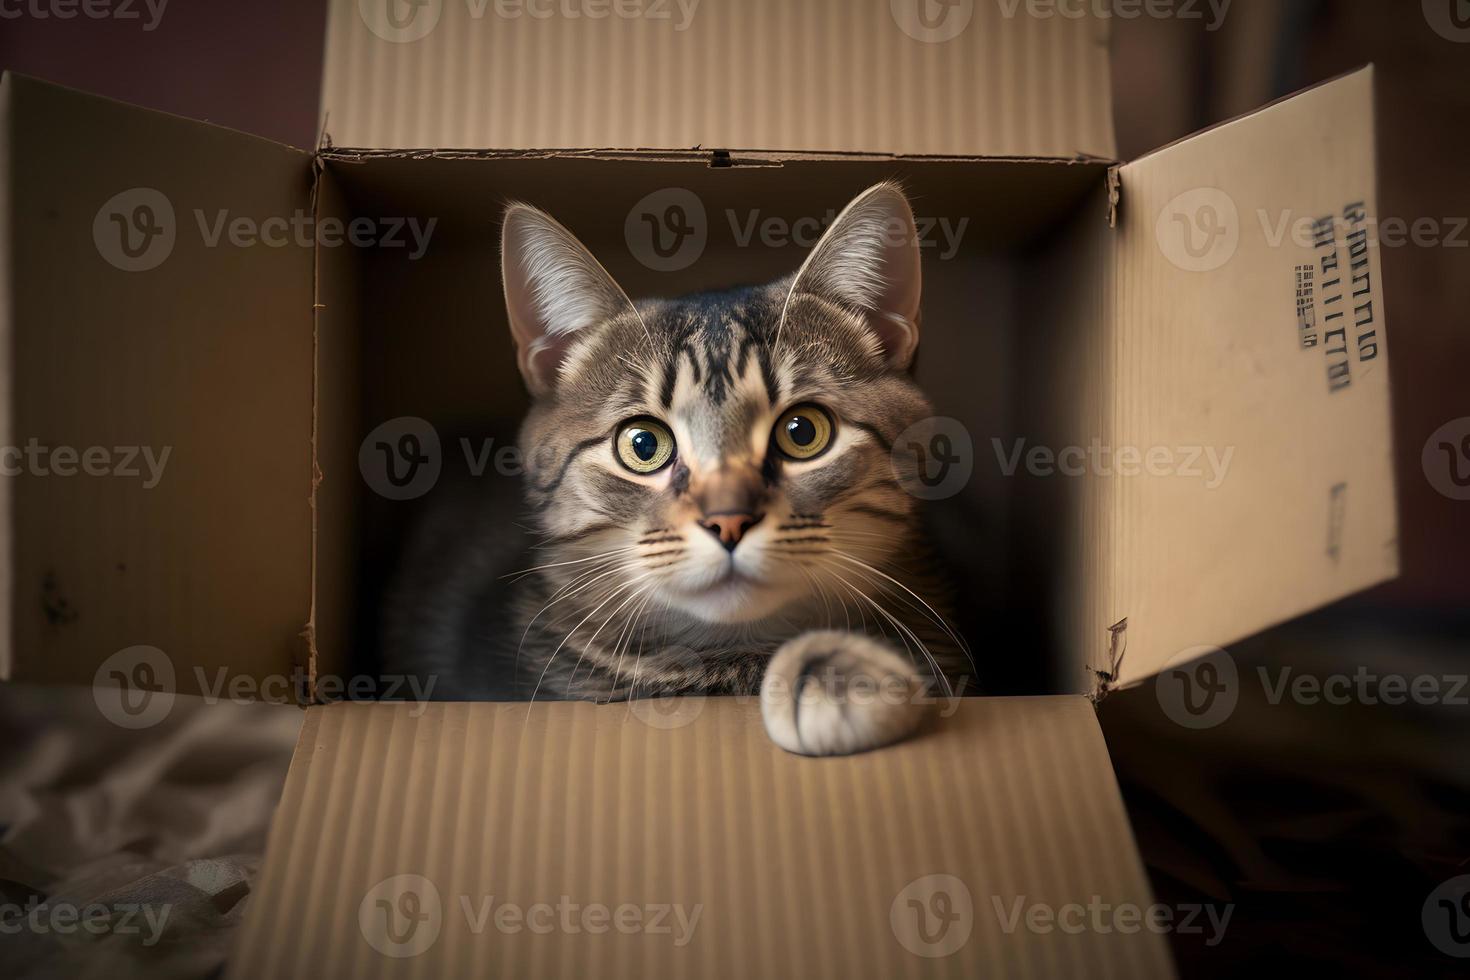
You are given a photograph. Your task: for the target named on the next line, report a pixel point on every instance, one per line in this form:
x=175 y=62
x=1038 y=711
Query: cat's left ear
x=554 y=289
x=868 y=262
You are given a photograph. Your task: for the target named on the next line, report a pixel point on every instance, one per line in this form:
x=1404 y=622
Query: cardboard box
x=1185 y=301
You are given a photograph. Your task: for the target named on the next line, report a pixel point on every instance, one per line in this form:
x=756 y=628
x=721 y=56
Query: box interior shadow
x=405 y=330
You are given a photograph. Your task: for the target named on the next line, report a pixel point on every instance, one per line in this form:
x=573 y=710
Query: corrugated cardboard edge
x=1105 y=678
x=1115 y=194
x=1363 y=66
x=8 y=628
x=307 y=652
x=714 y=157
x=136 y=107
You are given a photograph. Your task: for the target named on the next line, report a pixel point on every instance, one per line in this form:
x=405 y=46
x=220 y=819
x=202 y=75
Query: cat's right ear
x=554 y=289
x=868 y=262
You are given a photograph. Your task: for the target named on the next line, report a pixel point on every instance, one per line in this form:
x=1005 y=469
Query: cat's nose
x=729 y=528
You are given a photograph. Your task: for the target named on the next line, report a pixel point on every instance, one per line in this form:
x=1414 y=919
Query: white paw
x=835 y=693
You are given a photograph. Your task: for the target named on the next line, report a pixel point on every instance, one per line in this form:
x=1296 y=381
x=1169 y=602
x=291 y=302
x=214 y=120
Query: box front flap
x=157 y=411
x=436 y=840
x=964 y=77
x=1249 y=382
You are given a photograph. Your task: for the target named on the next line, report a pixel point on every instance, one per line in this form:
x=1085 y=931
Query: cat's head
x=726 y=452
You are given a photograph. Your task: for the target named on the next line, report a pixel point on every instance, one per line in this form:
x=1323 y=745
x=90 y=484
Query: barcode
x=1306 y=310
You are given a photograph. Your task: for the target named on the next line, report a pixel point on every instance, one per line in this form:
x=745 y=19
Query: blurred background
x=1326 y=826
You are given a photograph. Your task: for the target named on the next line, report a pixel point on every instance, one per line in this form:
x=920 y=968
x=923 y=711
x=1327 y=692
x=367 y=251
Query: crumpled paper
x=131 y=853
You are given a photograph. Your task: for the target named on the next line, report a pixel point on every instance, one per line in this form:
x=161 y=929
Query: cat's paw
x=835 y=693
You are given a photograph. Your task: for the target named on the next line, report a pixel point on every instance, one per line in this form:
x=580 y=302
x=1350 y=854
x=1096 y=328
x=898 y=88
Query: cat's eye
x=803 y=432
x=644 y=445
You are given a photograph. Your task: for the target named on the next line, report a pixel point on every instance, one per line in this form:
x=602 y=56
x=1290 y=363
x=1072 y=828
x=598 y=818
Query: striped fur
x=626 y=594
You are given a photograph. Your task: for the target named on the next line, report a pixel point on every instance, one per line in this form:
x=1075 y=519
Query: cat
x=712 y=485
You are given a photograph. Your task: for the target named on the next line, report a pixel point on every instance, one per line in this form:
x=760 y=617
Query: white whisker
x=633 y=596
x=616 y=591
x=937 y=619
x=904 y=629
x=517 y=576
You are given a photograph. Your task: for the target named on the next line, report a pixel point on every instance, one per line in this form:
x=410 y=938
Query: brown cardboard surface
x=1207 y=350
x=336 y=481
x=1059 y=519
x=968 y=77
x=205 y=352
x=799 y=867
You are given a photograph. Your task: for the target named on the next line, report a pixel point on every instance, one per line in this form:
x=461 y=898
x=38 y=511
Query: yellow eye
x=644 y=445
x=803 y=432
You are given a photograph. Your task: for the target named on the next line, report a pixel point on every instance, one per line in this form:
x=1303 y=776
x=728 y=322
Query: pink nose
x=730 y=528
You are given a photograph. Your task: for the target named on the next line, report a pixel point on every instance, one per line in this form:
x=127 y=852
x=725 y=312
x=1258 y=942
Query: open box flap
x=135 y=327
x=1248 y=355
x=406 y=831
x=964 y=77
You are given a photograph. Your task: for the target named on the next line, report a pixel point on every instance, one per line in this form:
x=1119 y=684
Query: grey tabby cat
x=712 y=481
